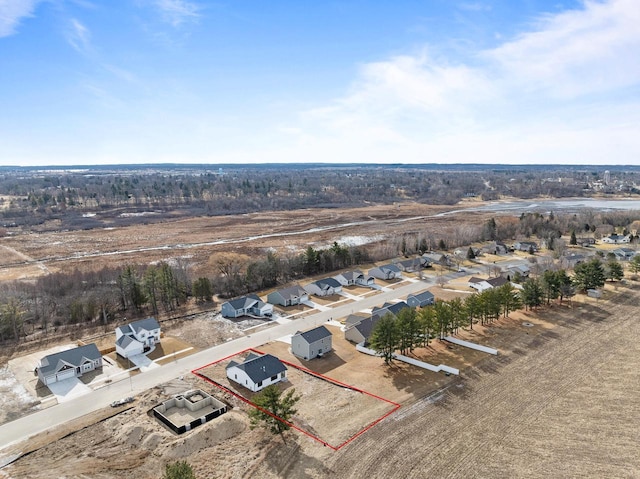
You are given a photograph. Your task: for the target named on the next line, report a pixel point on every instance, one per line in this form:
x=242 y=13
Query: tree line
x=411 y=328
x=101 y=297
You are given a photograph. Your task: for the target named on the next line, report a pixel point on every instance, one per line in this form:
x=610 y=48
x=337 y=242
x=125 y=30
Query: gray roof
x=393 y=308
x=315 y=334
x=125 y=340
x=352 y=275
x=259 y=368
x=292 y=292
x=365 y=326
x=497 y=281
x=353 y=319
x=244 y=302
x=74 y=357
x=424 y=296
x=329 y=282
x=147 y=324
x=390 y=267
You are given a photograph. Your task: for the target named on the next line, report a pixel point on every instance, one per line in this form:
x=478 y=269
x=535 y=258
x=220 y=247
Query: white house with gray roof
x=312 y=343
x=257 y=372
x=386 y=272
x=68 y=364
x=134 y=338
x=289 y=296
x=250 y=305
x=324 y=287
x=355 y=278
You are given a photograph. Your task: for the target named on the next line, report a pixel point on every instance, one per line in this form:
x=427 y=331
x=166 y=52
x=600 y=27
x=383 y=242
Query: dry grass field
x=31 y=254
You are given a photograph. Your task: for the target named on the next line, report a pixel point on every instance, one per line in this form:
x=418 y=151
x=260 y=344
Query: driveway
x=68 y=389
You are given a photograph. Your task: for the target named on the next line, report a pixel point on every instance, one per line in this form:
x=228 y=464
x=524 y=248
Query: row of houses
x=131 y=339
x=359 y=328
x=252 y=305
x=257 y=371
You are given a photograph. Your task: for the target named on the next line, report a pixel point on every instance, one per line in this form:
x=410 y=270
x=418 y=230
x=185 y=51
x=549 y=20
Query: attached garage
x=69 y=364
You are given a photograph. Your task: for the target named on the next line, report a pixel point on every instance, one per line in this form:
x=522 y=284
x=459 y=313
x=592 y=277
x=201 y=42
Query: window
x=273 y=378
x=260 y=384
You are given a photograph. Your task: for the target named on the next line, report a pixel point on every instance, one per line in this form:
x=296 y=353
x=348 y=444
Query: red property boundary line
x=307 y=371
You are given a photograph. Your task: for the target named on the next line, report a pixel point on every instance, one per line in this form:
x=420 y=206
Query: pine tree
x=385 y=337
x=274 y=410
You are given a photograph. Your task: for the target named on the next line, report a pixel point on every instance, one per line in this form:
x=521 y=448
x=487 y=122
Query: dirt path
x=561 y=404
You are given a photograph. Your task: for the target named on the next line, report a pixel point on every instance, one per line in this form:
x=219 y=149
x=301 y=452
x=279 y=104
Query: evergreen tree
x=589 y=275
x=634 y=264
x=384 y=338
x=573 y=240
x=614 y=271
x=470 y=253
x=274 y=410
x=532 y=294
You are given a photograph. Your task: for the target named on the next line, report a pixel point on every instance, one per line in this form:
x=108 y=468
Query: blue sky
x=408 y=81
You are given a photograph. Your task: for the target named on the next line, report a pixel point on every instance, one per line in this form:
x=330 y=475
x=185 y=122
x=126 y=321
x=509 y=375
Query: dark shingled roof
x=74 y=357
x=424 y=296
x=365 y=326
x=244 y=302
x=315 y=334
x=259 y=368
x=330 y=282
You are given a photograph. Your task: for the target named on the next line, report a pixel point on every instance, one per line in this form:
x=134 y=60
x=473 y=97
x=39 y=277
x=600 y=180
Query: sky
x=333 y=81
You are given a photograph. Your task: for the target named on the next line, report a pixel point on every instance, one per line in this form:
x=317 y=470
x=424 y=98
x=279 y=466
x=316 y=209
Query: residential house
x=414 y=264
x=588 y=241
x=289 y=296
x=354 y=278
x=481 y=284
x=393 y=308
x=420 y=300
x=496 y=248
x=246 y=305
x=617 y=239
x=352 y=320
x=360 y=332
x=624 y=254
x=572 y=260
x=437 y=258
x=386 y=272
x=135 y=338
x=312 y=343
x=257 y=372
x=526 y=246
x=324 y=287
x=515 y=271
x=68 y=364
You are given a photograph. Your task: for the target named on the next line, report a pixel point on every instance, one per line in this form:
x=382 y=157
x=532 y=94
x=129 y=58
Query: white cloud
x=12 y=12
x=576 y=52
x=78 y=36
x=177 y=12
x=555 y=93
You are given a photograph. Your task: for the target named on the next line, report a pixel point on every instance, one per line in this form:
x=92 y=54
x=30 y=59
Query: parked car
x=122 y=402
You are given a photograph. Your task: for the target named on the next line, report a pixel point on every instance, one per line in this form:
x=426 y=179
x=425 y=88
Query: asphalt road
x=40 y=421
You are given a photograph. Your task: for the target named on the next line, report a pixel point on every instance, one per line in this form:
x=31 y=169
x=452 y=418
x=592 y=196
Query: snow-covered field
x=14 y=398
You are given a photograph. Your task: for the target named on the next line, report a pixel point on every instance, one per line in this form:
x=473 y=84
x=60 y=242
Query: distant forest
x=69 y=302
x=72 y=195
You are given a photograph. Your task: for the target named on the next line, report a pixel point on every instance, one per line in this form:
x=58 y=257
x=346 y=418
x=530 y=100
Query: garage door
x=69 y=373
